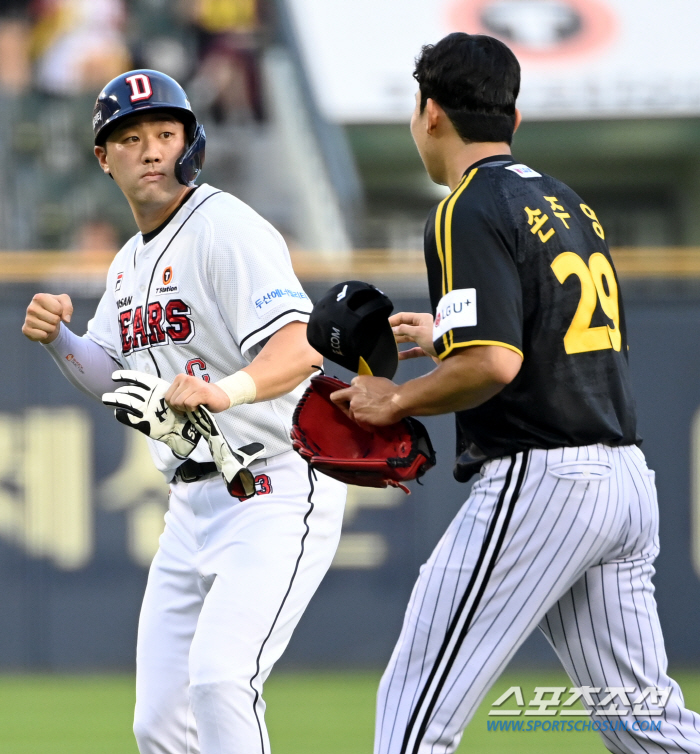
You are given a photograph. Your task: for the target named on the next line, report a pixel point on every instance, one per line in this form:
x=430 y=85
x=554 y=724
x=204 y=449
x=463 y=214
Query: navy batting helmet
x=145 y=91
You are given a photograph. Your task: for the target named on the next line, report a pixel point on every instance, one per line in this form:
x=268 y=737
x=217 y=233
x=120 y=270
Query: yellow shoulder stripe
x=438 y=238
x=448 y=227
x=438 y=225
x=446 y=264
x=468 y=343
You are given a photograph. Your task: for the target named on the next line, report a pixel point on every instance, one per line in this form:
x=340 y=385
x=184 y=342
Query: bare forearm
x=284 y=363
x=464 y=380
x=273 y=379
x=445 y=390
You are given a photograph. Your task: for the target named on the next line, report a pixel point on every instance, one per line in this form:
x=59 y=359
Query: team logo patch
x=118 y=284
x=167 y=286
x=140 y=87
x=456 y=309
x=524 y=171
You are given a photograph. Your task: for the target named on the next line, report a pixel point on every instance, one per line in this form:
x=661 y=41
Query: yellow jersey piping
x=468 y=343
x=448 y=227
x=446 y=257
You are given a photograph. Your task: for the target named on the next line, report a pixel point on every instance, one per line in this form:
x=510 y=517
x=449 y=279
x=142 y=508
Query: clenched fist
x=44 y=316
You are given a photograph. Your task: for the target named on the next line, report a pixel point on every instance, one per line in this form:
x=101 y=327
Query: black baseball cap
x=350 y=326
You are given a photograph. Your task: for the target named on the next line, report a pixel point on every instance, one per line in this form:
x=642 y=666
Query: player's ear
x=518 y=120
x=434 y=113
x=101 y=154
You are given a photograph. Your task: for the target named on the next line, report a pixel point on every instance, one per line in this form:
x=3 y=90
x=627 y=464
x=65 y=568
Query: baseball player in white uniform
x=560 y=530
x=203 y=301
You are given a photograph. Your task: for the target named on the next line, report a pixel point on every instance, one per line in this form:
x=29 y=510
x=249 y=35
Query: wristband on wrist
x=240 y=388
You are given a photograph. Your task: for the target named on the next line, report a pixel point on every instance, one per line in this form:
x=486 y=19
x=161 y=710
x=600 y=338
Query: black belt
x=193 y=471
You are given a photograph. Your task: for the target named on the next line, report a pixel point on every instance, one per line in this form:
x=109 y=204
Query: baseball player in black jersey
x=560 y=530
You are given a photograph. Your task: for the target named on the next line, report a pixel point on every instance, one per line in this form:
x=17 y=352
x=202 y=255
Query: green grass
x=308 y=713
x=66 y=714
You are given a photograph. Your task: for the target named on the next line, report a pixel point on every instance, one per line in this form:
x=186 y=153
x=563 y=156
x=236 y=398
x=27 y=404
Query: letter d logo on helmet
x=142 y=91
x=140 y=87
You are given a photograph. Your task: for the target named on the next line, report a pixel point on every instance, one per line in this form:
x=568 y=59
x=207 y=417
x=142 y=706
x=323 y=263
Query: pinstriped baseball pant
x=562 y=539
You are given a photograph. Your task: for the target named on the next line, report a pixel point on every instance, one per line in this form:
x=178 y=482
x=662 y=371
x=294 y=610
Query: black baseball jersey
x=516 y=259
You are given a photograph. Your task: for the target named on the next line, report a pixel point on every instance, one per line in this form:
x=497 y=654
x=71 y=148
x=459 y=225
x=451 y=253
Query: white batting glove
x=141 y=404
x=233 y=464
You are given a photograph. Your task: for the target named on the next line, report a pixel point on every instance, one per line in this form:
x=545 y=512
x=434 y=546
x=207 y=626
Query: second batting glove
x=233 y=464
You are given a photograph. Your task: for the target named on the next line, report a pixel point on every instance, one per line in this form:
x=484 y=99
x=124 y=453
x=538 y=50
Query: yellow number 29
x=597 y=284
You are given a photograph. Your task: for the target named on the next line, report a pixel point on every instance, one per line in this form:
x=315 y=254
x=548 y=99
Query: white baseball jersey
x=201 y=298
x=231 y=578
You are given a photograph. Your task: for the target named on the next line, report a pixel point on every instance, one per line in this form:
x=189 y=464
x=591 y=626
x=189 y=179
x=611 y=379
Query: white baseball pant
x=226 y=589
x=562 y=539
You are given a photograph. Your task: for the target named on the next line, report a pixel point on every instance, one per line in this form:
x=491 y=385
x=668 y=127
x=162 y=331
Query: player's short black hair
x=476 y=80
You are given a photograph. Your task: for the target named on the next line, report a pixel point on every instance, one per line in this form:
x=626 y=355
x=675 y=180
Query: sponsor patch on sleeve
x=456 y=309
x=524 y=171
x=269 y=298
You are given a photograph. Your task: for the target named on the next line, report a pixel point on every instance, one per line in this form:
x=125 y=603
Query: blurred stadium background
x=306 y=105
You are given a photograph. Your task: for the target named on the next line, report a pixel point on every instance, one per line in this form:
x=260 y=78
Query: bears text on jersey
x=159 y=325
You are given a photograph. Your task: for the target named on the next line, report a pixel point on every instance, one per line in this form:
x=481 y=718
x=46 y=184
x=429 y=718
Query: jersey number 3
x=597 y=284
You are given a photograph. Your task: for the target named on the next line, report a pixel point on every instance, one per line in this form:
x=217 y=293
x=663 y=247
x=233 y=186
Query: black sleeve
x=479 y=296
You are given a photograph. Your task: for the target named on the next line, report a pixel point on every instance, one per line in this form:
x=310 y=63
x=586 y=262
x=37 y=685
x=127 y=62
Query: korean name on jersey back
x=157 y=324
